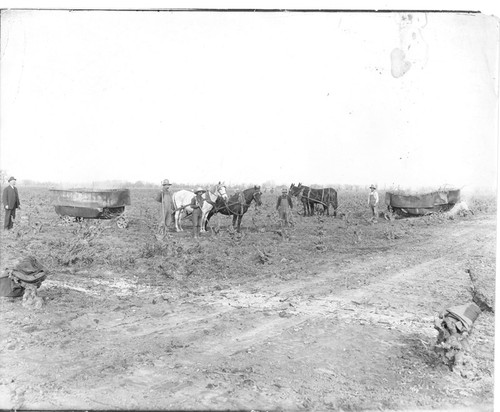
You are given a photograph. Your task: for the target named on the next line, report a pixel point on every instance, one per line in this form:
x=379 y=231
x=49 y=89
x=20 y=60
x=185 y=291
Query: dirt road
x=353 y=332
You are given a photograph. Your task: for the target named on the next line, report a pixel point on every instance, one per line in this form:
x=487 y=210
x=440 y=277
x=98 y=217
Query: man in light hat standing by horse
x=10 y=203
x=373 y=202
x=197 y=205
x=167 y=205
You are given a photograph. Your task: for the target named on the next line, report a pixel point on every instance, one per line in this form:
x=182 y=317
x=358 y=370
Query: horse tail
x=174 y=200
x=334 y=201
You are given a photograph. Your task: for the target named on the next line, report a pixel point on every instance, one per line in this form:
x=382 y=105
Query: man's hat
x=373 y=187
x=200 y=190
x=165 y=182
x=11 y=178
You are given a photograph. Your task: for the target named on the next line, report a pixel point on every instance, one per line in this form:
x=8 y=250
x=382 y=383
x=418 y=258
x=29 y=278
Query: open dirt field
x=334 y=313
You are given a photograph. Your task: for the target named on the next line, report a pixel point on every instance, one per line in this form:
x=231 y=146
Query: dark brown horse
x=310 y=197
x=237 y=205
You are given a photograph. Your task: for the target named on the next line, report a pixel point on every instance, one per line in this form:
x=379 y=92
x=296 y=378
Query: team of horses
x=310 y=198
x=218 y=201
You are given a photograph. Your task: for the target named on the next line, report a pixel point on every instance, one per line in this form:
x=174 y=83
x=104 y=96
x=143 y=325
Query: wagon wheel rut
x=271 y=314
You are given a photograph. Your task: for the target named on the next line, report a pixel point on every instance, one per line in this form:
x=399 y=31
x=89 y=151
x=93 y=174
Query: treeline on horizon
x=119 y=184
x=266 y=186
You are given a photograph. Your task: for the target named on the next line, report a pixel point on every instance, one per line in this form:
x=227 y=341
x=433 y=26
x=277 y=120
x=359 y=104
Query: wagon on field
x=422 y=204
x=78 y=204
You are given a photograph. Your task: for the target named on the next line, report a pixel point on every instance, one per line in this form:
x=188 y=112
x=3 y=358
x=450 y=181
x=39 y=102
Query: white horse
x=182 y=201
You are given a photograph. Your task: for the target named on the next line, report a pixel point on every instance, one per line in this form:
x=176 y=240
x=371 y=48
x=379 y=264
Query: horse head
x=220 y=191
x=256 y=195
x=295 y=190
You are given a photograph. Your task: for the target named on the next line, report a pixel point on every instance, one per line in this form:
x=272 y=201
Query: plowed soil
x=333 y=313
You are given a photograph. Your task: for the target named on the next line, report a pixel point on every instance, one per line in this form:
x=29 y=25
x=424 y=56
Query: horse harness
x=308 y=196
x=241 y=201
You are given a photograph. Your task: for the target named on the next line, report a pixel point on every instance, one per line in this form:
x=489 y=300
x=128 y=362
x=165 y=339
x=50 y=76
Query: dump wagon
x=422 y=204
x=77 y=204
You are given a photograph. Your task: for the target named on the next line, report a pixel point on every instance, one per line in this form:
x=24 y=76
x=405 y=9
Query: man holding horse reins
x=197 y=205
x=284 y=207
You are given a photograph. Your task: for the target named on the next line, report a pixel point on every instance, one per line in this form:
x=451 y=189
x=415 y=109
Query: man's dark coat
x=11 y=198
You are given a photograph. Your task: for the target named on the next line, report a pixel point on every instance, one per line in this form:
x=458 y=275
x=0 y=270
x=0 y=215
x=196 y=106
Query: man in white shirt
x=373 y=202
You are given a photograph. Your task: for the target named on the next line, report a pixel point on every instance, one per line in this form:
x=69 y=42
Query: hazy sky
x=388 y=98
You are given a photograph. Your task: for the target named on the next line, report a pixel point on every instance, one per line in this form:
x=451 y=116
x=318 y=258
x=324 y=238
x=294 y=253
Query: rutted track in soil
x=320 y=296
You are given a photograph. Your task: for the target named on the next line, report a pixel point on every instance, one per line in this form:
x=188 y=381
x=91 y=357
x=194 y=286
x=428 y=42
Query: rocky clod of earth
x=28 y=273
x=455 y=327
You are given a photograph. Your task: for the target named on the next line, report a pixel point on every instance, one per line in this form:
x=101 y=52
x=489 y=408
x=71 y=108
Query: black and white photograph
x=248 y=207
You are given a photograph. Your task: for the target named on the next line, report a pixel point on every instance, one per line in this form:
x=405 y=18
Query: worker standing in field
x=197 y=204
x=373 y=202
x=167 y=205
x=11 y=202
x=284 y=207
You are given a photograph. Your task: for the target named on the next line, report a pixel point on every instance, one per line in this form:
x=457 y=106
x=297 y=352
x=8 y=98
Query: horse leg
x=239 y=223
x=179 y=221
x=176 y=221
x=206 y=214
x=234 y=221
x=203 y=220
x=209 y=215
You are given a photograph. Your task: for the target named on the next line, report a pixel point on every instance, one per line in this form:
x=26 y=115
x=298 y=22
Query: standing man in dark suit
x=10 y=203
